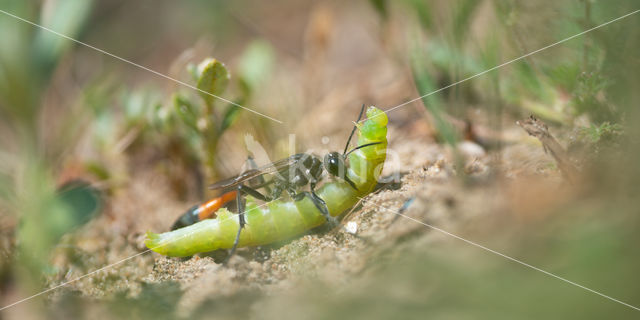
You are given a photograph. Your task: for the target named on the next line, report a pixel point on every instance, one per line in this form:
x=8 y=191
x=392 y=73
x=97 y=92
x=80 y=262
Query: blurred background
x=95 y=151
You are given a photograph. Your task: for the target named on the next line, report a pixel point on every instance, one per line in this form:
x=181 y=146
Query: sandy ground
x=334 y=257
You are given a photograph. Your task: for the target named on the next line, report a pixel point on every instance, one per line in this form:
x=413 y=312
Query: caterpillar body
x=282 y=219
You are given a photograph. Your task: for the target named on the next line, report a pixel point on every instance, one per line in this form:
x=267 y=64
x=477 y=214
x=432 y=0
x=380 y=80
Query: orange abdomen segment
x=208 y=209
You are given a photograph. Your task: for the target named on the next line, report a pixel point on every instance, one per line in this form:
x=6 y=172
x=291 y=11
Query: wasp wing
x=270 y=168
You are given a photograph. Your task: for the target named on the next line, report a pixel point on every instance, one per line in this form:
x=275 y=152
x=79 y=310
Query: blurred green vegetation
x=28 y=59
x=606 y=131
x=188 y=124
x=459 y=39
x=202 y=124
x=35 y=165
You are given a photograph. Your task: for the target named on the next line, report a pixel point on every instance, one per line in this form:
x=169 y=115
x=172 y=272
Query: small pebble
x=352 y=227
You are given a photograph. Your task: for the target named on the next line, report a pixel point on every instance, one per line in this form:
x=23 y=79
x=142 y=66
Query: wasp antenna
x=362 y=146
x=355 y=126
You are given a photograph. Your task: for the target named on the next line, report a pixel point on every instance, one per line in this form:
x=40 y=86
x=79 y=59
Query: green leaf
x=213 y=79
x=159 y=116
x=65 y=17
x=83 y=203
x=463 y=18
x=98 y=170
x=256 y=64
x=230 y=117
x=425 y=84
x=424 y=12
x=135 y=106
x=564 y=75
x=187 y=112
x=381 y=7
x=446 y=57
x=192 y=69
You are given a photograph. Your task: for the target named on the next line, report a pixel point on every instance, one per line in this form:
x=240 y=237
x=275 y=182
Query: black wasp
x=290 y=175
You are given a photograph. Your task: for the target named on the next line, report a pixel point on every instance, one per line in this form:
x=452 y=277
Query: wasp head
x=334 y=163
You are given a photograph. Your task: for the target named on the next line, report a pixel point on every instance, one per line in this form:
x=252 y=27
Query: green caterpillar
x=279 y=219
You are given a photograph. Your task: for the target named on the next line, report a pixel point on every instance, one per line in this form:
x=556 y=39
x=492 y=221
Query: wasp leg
x=321 y=204
x=252 y=192
x=241 y=204
x=317 y=201
x=353 y=185
x=241 y=201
